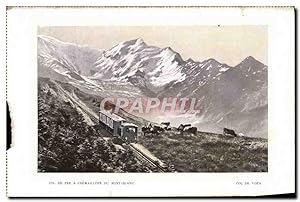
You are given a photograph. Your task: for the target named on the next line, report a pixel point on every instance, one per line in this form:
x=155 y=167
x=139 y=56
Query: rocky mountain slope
x=233 y=97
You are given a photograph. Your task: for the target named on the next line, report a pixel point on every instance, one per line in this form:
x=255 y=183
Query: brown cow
x=192 y=130
x=230 y=132
x=165 y=125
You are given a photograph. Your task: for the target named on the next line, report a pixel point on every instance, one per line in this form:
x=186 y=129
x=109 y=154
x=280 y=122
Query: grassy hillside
x=209 y=152
x=67 y=144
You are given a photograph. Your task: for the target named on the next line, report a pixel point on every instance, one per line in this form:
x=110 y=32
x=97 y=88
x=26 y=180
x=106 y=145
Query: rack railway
x=152 y=163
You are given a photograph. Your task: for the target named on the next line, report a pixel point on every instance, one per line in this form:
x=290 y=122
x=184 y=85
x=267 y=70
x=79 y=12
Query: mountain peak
x=139 y=41
x=135 y=42
x=52 y=40
x=169 y=49
x=169 y=52
x=251 y=60
x=211 y=61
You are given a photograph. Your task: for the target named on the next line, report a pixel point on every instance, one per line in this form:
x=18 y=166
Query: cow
x=152 y=129
x=157 y=129
x=192 y=130
x=146 y=130
x=181 y=127
x=230 y=132
x=187 y=128
x=165 y=125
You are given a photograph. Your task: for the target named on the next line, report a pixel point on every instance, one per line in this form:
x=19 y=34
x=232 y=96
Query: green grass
x=66 y=143
x=201 y=153
x=209 y=153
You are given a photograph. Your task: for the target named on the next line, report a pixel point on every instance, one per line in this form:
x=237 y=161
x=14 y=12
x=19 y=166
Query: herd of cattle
x=155 y=129
x=165 y=126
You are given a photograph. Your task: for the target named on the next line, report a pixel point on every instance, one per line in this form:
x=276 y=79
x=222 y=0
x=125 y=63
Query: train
x=118 y=126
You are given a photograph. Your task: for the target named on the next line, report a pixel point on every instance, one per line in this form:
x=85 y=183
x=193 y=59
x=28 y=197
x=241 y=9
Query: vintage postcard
x=183 y=103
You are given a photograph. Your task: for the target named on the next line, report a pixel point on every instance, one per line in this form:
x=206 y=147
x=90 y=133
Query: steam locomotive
x=118 y=127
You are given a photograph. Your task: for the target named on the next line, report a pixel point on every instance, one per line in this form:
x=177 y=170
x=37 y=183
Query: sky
x=227 y=44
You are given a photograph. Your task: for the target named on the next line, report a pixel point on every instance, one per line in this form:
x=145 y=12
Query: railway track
x=94 y=119
x=75 y=102
x=146 y=158
x=134 y=149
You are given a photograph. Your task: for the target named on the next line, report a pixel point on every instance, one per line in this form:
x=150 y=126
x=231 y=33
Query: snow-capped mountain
x=197 y=74
x=233 y=97
x=74 y=64
x=66 y=58
x=135 y=58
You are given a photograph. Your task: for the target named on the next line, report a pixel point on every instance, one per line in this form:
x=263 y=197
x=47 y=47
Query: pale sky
x=227 y=44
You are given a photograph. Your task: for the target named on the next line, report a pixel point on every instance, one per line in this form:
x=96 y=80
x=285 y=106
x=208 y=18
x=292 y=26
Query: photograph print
x=148 y=99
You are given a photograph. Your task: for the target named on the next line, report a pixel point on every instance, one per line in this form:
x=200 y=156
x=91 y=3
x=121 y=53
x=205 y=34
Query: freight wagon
x=117 y=126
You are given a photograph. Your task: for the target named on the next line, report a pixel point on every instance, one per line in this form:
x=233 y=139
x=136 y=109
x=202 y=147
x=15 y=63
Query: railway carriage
x=117 y=126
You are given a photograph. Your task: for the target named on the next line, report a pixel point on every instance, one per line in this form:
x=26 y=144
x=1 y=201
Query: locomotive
x=118 y=127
